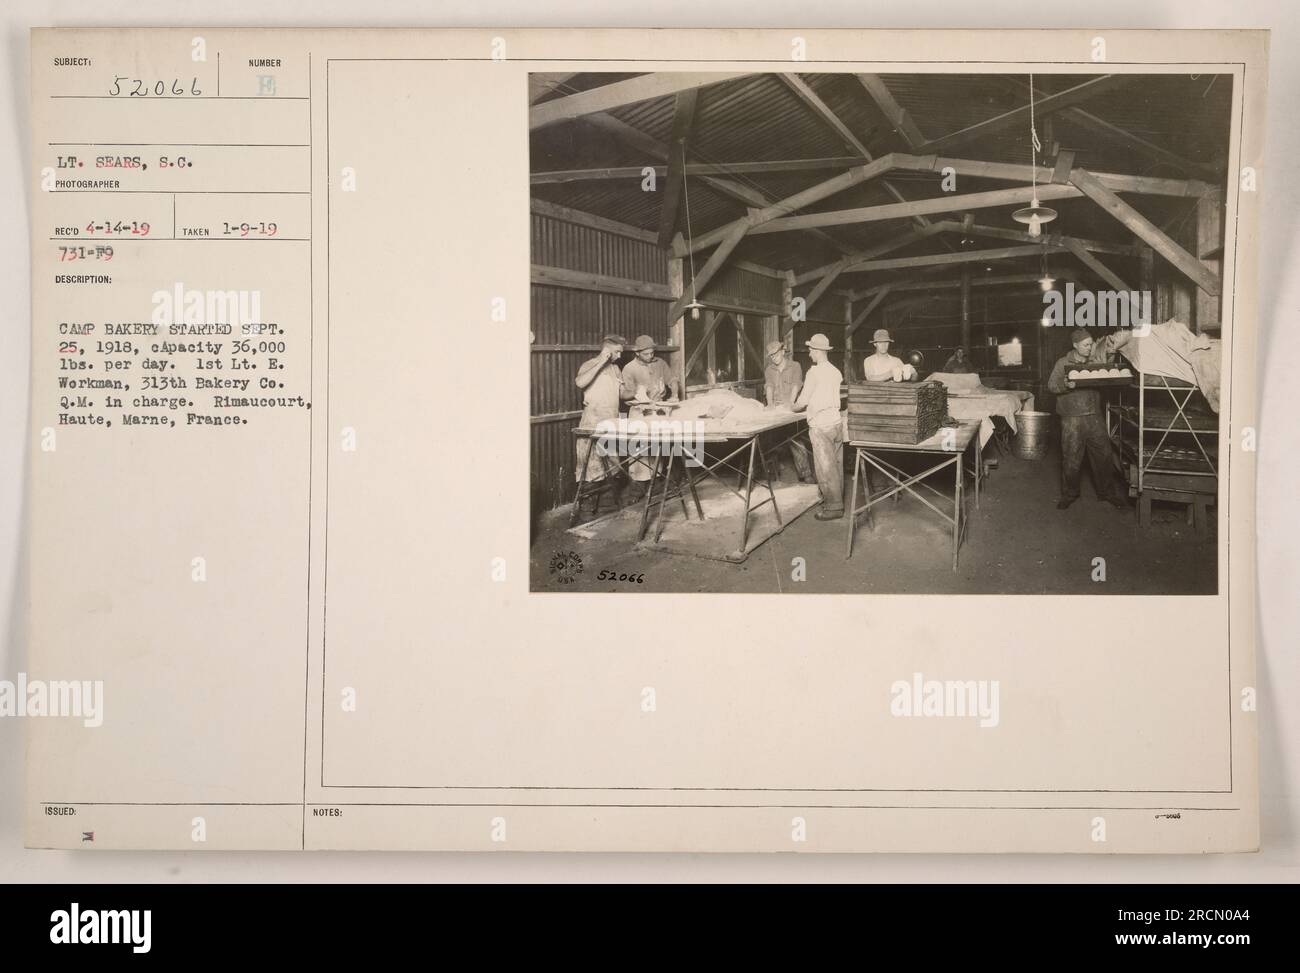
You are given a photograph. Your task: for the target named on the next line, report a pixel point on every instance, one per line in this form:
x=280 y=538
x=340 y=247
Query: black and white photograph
x=942 y=314
x=878 y=333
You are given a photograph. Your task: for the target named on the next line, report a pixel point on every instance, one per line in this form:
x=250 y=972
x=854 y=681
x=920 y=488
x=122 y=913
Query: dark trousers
x=1086 y=434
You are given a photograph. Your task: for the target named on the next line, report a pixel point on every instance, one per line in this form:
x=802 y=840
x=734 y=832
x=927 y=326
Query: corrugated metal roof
x=760 y=118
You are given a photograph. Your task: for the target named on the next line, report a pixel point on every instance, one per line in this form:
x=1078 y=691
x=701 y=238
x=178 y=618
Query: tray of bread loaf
x=1098 y=375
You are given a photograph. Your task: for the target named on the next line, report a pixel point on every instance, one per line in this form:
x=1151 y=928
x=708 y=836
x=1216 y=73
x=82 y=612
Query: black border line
x=665 y=807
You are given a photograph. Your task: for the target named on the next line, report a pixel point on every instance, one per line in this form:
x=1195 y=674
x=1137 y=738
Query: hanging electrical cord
x=694 y=306
x=1035 y=146
x=1035 y=215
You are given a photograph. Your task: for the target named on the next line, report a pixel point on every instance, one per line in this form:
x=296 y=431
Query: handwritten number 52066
x=138 y=88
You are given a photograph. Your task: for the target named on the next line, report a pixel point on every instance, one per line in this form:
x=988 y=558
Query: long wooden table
x=755 y=441
x=950 y=444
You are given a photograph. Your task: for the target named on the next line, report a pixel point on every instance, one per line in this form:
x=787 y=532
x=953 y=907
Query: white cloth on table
x=715 y=404
x=957 y=382
x=1171 y=349
x=722 y=409
x=969 y=400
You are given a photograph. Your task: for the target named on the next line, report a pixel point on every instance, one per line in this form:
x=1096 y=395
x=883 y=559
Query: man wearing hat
x=884 y=367
x=647 y=378
x=820 y=396
x=783 y=377
x=1083 y=427
x=600 y=380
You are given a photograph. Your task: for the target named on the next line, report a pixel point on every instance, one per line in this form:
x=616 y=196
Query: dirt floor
x=1017 y=543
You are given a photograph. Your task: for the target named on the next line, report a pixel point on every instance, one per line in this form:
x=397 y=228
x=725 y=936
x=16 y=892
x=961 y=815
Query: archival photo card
x=597 y=440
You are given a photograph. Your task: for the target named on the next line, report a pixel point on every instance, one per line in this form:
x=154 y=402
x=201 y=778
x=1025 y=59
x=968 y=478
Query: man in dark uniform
x=1083 y=426
x=957 y=364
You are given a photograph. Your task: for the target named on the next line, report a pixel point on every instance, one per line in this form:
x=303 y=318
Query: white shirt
x=821 y=394
x=885 y=368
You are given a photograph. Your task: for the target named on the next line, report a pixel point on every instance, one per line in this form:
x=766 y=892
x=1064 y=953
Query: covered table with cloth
x=971 y=401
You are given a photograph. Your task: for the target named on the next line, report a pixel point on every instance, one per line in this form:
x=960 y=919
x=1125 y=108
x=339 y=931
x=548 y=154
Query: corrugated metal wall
x=575 y=321
x=735 y=286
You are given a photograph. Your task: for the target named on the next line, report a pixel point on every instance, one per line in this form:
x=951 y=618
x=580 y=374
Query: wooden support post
x=965 y=308
x=848 y=341
x=711 y=322
x=677 y=326
x=1209 y=249
x=1147 y=279
x=1146 y=268
x=787 y=305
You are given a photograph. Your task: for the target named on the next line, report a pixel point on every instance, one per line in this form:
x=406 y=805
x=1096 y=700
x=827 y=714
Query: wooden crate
x=896 y=412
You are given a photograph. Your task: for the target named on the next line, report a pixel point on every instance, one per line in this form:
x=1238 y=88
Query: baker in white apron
x=600 y=379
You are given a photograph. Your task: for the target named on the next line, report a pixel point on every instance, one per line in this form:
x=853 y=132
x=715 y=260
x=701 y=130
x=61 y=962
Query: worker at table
x=600 y=380
x=783 y=377
x=957 y=363
x=820 y=396
x=884 y=367
x=1083 y=427
x=646 y=379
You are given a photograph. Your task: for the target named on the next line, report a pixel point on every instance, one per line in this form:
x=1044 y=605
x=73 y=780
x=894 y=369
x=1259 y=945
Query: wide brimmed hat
x=774 y=346
x=881 y=335
x=643 y=342
x=819 y=342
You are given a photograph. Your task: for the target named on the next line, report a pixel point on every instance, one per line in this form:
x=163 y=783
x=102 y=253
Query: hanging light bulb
x=694 y=307
x=1035 y=214
x=1047 y=281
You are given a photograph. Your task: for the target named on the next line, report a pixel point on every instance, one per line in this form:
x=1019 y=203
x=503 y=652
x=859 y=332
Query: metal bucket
x=1033 y=431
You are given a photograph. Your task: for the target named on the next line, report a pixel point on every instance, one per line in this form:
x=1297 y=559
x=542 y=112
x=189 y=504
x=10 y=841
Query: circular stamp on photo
x=566 y=566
